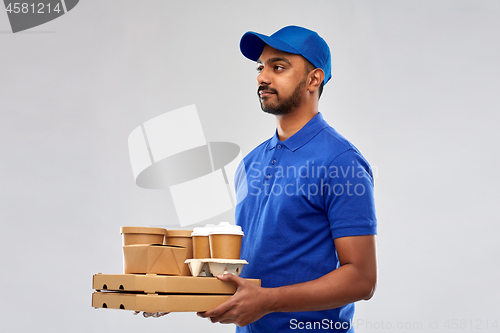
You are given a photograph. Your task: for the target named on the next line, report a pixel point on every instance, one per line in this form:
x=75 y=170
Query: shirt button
x=268 y=176
x=279 y=146
x=273 y=161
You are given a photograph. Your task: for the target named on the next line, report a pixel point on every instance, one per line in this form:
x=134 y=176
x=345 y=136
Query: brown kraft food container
x=142 y=235
x=181 y=238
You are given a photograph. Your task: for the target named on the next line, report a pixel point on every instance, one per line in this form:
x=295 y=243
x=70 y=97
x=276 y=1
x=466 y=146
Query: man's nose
x=263 y=77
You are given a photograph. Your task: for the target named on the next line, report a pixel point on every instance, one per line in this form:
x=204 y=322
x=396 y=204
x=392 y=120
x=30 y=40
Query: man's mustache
x=266 y=88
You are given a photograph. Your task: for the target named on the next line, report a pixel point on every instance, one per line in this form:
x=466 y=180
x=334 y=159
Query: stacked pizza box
x=172 y=270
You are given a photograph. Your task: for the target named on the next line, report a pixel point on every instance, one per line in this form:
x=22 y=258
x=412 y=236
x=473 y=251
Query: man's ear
x=316 y=76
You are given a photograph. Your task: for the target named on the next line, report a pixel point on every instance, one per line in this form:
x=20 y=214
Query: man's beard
x=286 y=106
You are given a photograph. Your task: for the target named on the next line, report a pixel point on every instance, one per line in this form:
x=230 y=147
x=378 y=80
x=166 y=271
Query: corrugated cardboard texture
x=164 y=284
x=157 y=303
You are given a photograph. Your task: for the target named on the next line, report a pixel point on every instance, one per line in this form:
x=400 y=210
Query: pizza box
x=156 y=303
x=151 y=284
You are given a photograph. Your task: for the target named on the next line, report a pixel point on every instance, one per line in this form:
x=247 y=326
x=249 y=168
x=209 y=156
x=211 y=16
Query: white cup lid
x=202 y=231
x=225 y=228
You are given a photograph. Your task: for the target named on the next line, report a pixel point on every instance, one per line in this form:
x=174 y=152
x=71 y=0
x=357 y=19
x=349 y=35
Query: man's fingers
x=223 y=313
x=231 y=278
x=225 y=318
x=214 y=312
x=227 y=305
x=218 y=311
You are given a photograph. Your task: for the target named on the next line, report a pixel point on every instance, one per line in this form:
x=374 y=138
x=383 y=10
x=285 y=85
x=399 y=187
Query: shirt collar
x=304 y=135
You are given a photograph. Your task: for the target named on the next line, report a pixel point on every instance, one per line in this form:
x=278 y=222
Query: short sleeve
x=348 y=195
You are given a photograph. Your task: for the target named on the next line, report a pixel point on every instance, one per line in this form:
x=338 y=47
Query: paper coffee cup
x=142 y=235
x=201 y=242
x=225 y=241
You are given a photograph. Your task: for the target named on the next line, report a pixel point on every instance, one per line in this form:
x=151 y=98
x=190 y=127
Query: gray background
x=415 y=87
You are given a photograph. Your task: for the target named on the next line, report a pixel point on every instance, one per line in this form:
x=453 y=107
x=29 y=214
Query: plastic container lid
x=203 y=231
x=225 y=228
x=142 y=230
x=178 y=233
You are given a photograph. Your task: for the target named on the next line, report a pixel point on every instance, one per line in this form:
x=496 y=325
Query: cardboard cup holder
x=214 y=267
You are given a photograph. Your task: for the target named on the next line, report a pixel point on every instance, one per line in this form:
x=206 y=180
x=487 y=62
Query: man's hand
x=248 y=304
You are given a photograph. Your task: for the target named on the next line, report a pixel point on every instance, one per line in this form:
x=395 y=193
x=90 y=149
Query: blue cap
x=291 y=39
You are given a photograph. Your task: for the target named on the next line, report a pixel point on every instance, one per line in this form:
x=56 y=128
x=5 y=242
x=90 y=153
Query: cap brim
x=252 y=44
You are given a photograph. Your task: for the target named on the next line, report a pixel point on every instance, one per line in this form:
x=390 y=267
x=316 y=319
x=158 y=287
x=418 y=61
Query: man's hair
x=310 y=67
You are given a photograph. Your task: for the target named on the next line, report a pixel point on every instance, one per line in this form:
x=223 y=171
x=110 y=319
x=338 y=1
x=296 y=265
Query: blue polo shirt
x=294 y=198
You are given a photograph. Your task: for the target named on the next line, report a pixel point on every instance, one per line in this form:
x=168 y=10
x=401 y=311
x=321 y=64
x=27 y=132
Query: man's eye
x=259 y=69
x=278 y=68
